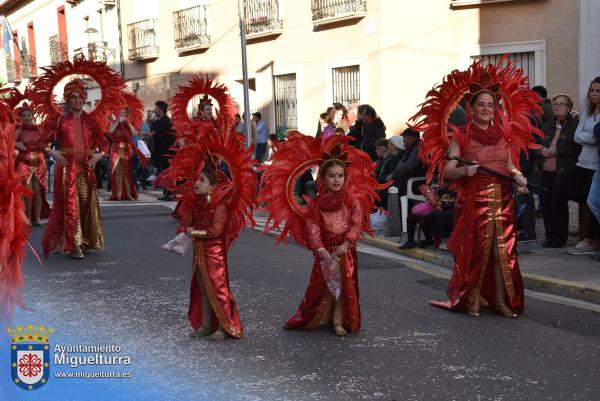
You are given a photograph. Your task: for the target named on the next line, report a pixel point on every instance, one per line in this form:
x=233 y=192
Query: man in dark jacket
x=163 y=138
x=367 y=130
x=410 y=165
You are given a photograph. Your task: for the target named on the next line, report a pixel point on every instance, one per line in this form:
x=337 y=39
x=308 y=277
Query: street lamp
x=91 y=47
x=245 y=73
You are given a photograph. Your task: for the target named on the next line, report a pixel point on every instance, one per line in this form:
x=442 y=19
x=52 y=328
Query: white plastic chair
x=409 y=195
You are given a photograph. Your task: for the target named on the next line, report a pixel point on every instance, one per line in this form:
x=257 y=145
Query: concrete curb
x=534 y=282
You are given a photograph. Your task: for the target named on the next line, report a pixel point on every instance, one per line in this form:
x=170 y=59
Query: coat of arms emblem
x=30 y=356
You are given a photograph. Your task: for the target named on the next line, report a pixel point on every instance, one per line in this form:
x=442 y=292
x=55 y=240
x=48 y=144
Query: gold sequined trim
x=210 y=292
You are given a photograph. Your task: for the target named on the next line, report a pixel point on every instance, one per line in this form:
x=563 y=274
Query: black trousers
x=575 y=186
x=440 y=223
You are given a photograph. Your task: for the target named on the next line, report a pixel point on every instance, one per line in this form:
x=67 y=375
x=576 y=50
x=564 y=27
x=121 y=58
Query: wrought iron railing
x=94 y=51
x=323 y=10
x=262 y=17
x=29 y=66
x=58 y=50
x=11 y=72
x=191 y=28
x=143 y=39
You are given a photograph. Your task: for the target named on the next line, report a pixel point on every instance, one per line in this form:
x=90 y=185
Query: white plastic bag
x=331 y=273
x=178 y=245
x=379 y=222
x=143 y=148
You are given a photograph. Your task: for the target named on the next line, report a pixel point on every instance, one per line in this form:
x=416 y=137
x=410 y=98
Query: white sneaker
x=582 y=248
x=444 y=245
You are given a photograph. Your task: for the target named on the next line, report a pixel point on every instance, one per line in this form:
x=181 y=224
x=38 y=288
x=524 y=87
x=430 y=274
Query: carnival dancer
x=74 y=225
x=483 y=241
x=31 y=164
x=213 y=210
x=190 y=129
x=204 y=122
x=330 y=227
x=14 y=228
x=120 y=133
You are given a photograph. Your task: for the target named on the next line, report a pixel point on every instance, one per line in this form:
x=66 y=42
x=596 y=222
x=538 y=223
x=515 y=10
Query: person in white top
x=587 y=164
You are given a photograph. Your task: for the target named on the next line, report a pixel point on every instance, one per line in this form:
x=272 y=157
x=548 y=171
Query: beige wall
x=555 y=22
x=404 y=48
x=401 y=56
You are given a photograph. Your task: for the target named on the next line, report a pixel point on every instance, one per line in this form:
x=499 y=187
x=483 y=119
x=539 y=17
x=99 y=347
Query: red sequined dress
x=485 y=208
x=75 y=217
x=121 y=151
x=32 y=163
x=336 y=219
x=210 y=260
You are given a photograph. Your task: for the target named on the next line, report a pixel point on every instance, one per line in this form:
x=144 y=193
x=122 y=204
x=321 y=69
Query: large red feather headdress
x=136 y=109
x=238 y=190
x=111 y=85
x=291 y=159
x=200 y=86
x=518 y=106
x=14 y=229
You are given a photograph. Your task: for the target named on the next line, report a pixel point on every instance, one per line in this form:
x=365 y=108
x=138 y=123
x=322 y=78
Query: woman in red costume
x=330 y=227
x=31 y=163
x=213 y=211
x=483 y=240
x=120 y=133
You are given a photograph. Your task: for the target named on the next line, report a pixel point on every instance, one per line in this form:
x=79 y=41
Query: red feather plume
x=200 y=86
x=136 y=108
x=111 y=84
x=14 y=229
x=291 y=159
x=518 y=107
x=239 y=192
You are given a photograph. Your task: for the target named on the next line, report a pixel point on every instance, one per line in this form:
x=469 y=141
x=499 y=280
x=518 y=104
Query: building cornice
x=7 y=7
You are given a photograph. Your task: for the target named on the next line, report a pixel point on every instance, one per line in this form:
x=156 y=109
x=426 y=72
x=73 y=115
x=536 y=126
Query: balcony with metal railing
x=29 y=67
x=329 y=11
x=143 y=39
x=262 y=18
x=191 y=28
x=94 y=51
x=58 y=50
x=12 y=74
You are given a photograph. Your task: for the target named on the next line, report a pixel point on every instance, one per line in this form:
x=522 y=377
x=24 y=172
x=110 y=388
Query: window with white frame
x=346 y=84
x=523 y=60
x=286 y=101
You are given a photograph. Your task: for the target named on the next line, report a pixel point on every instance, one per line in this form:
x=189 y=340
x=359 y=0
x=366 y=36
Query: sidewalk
x=545 y=270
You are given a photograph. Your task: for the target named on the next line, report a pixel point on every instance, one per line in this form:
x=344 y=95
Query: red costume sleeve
x=356 y=220
x=314 y=235
x=217 y=225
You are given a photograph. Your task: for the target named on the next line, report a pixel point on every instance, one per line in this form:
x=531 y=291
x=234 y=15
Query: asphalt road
x=135 y=295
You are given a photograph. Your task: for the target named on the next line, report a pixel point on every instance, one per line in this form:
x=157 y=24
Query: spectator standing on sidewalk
x=526 y=201
x=594 y=196
x=579 y=180
x=163 y=138
x=356 y=129
x=553 y=163
x=373 y=129
x=262 y=132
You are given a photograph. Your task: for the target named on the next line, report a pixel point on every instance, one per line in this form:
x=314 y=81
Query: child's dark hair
x=210 y=175
x=330 y=163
